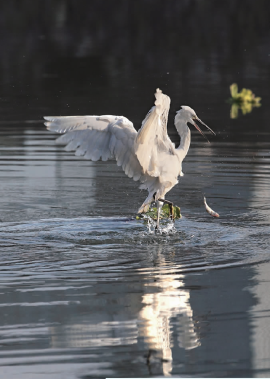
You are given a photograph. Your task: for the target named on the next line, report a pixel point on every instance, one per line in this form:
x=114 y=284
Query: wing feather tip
x=49 y=118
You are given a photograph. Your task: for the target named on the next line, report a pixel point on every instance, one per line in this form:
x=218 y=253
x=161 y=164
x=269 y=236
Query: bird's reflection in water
x=169 y=300
x=160 y=314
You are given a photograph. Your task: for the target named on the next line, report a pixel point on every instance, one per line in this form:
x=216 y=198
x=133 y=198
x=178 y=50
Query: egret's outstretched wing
x=64 y=124
x=99 y=137
x=152 y=140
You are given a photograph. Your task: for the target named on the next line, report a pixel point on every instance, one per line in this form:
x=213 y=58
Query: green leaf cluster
x=245 y=100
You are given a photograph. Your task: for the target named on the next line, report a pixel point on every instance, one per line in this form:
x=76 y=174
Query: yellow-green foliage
x=245 y=100
x=165 y=212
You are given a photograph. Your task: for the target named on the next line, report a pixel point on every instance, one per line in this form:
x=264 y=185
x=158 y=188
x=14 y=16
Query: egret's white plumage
x=147 y=155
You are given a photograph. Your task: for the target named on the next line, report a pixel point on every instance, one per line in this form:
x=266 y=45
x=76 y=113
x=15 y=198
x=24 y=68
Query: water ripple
x=103 y=245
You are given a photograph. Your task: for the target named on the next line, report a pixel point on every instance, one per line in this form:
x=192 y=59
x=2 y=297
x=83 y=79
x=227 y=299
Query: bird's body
x=148 y=156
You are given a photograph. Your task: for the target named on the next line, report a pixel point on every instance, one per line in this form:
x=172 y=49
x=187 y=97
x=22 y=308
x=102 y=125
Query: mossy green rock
x=165 y=212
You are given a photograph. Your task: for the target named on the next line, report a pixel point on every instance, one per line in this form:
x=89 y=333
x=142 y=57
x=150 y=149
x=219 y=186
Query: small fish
x=209 y=210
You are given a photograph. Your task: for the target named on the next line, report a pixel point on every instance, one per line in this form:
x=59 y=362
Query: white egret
x=147 y=155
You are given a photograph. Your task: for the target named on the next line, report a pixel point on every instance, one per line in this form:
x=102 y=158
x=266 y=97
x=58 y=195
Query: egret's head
x=188 y=114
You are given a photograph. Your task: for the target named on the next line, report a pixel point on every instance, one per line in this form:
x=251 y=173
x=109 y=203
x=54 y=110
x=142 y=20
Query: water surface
x=88 y=291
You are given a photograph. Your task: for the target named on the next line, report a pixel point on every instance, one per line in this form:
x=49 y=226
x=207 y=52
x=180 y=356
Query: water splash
x=165 y=227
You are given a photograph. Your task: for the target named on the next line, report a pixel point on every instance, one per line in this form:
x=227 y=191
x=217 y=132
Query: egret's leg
x=159 y=206
x=170 y=206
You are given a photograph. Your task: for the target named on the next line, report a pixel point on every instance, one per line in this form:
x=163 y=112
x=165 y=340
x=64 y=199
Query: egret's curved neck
x=184 y=133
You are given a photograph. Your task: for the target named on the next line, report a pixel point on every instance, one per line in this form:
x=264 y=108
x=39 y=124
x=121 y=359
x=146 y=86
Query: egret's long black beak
x=199 y=129
x=206 y=126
